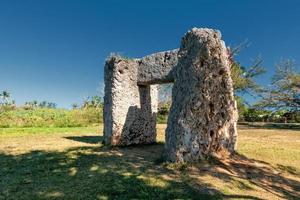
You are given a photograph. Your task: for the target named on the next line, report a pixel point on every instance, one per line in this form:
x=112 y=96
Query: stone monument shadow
x=137 y=121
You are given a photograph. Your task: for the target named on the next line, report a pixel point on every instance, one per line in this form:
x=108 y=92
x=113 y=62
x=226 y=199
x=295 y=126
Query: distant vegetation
x=45 y=114
x=50 y=117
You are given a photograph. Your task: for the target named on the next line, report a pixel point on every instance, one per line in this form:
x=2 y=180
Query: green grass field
x=71 y=163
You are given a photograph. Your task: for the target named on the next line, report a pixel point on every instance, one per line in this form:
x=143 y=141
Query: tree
x=6 y=102
x=284 y=94
x=92 y=102
x=244 y=77
x=75 y=106
x=51 y=105
x=43 y=104
x=5 y=97
x=32 y=104
x=256 y=115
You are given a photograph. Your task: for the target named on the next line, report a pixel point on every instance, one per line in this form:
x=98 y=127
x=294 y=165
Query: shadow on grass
x=123 y=173
x=86 y=139
x=260 y=174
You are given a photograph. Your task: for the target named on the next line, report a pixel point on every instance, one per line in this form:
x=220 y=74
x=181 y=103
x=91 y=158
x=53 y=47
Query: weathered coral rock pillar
x=203 y=115
x=129 y=109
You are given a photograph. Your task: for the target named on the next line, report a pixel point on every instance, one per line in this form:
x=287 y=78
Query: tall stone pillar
x=203 y=115
x=129 y=110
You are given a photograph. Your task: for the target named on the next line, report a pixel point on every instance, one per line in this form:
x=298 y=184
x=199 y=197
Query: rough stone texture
x=129 y=109
x=157 y=68
x=203 y=115
x=130 y=105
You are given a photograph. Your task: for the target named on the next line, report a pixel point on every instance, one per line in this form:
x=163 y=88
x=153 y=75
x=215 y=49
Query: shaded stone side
x=129 y=110
x=203 y=115
x=157 y=68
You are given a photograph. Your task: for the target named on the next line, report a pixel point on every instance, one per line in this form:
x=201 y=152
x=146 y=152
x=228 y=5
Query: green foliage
x=255 y=115
x=45 y=114
x=161 y=119
x=50 y=117
x=263 y=115
x=163 y=111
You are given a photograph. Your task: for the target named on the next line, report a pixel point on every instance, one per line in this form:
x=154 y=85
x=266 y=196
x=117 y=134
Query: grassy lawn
x=9 y=132
x=71 y=163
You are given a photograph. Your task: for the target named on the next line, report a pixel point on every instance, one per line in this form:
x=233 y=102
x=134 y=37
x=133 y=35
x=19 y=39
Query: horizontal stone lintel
x=157 y=68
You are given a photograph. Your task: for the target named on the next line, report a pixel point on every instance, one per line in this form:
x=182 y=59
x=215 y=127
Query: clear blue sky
x=55 y=49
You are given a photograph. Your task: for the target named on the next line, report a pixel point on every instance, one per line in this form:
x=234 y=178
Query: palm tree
x=43 y=104
x=86 y=102
x=35 y=103
x=5 y=96
x=92 y=102
x=75 y=106
x=32 y=104
x=51 y=105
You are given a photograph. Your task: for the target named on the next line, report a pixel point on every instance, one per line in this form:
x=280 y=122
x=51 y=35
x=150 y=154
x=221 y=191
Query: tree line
x=46 y=114
x=8 y=103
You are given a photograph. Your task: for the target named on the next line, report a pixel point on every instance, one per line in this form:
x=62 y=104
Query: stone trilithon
x=203 y=115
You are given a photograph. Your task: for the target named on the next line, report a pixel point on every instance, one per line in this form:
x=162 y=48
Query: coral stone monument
x=203 y=116
x=131 y=97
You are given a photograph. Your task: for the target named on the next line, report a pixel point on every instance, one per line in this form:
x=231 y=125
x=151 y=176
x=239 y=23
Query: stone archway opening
x=163 y=109
x=164 y=101
x=203 y=115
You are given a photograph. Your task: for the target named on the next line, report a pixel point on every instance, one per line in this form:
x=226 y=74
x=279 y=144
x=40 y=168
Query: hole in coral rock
x=211 y=133
x=211 y=107
x=221 y=72
x=222 y=114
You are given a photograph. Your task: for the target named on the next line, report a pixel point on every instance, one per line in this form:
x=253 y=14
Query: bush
x=163 y=112
x=162 y=119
